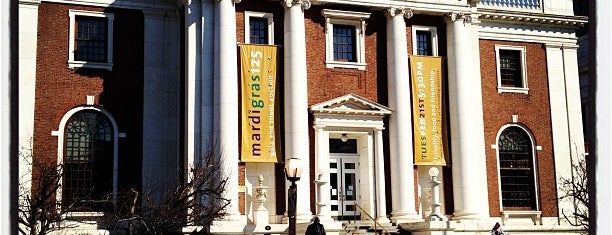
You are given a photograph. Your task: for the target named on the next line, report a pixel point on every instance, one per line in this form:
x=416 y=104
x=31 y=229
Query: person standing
x=316 y=228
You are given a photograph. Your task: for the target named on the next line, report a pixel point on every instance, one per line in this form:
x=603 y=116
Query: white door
x=344 y=182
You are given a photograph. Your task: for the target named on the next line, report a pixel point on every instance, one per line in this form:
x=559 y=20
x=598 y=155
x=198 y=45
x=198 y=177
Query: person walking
x=316 y=228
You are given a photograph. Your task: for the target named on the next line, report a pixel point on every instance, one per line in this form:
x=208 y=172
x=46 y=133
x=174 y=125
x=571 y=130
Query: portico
x=349 y=157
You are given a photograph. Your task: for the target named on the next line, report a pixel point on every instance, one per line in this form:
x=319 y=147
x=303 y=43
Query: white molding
x=350 y=18
x=60 y=143
x=534 y=163
x=434 y=38
x=108 y=65
x=247 y=31
x=523 y=63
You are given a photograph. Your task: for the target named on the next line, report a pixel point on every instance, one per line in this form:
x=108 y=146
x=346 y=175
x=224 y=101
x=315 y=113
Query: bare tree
x=576 y=189
x=39 y=211
x=194 y=203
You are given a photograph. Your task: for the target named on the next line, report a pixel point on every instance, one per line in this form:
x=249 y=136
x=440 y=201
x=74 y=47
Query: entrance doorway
x=344 y=183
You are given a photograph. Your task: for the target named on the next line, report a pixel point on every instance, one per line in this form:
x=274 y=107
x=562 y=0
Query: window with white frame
x=424 y=40
x=511 y=69
x=88 y=162
x=517 y=169
x=345 y=39
x=91 y=40
x=259 y=28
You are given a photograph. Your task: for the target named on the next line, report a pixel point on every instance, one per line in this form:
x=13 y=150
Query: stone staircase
x=363 y=227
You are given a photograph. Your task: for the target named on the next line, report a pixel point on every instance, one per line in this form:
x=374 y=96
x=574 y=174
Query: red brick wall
x=533 y=111
x=60 y=89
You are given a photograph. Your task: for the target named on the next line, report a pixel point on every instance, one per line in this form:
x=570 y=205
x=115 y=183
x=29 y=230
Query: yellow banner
x=258 y=81
x=426 y=74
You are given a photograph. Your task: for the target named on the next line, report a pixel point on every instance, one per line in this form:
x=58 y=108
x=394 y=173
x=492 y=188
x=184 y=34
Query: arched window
x=516 y=169
x=88 y=162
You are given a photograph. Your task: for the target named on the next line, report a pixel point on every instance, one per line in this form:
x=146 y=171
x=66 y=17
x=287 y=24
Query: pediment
x=350 y=104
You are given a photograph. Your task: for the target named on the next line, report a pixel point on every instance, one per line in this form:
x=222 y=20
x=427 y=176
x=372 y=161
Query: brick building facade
x=129 y=92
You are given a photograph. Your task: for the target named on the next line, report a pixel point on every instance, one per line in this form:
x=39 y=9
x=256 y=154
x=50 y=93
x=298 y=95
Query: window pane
x=88 y=161
x=344 y=43
x=423 y=43
x=510 y=68
x=337 y=146
x=516 y=169
x=258 y=28
x=90 y=39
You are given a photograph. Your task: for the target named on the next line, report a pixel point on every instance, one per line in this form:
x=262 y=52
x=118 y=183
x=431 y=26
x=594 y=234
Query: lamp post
x=293 y=172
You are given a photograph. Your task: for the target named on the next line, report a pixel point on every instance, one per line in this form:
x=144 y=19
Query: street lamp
x=293 y=172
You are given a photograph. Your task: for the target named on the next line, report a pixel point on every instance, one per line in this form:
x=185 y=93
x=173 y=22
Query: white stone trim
x=60 y=143
x=523 y=63
x=356 y=19
x=534 y=163
x=247 y=29
x=108 y=65
x=434 y=38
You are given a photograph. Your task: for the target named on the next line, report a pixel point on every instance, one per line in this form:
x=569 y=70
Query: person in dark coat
x=497 y=230
x=316 y=228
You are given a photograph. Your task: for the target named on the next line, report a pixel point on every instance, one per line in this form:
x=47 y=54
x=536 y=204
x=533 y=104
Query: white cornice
x=526 y=33
x=158 y=5
x=434 y=7
x=533 y=18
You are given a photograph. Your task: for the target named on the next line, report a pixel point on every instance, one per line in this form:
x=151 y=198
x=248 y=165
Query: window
x=88 y=162
x=424 y=40
x=345 y=41
x=516 y=169
x=511 y=74
x=91 y=40
x=339 y=146
x=259 y=28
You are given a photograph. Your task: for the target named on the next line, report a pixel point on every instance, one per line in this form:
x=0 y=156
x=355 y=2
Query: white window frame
x=534 y=164
x=108 y=65
x=60 y=133
x=434 y=38
x=356 y=19
x=523 y=64
x=247 y=23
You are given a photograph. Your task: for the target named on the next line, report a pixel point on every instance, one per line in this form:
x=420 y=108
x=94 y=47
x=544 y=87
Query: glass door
x=344 y=182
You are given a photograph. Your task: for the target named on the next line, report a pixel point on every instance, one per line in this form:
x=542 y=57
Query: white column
x=466 y=114
x=192 y=80
x=322 y=173
x=400 y=124
x=296 y=99
x=381 y=203
x=565 y=109
x=8 y=225
x=226 y=98
x=206 y=69
x=28 y=30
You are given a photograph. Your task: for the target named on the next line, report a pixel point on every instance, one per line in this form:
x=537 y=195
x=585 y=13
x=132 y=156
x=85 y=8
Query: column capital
x=468 y=18
x=394 y=11
x=289 y=3
x=319 y=127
